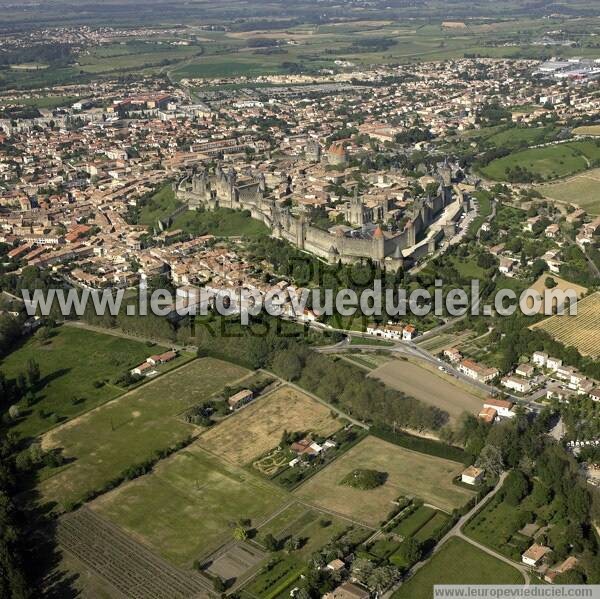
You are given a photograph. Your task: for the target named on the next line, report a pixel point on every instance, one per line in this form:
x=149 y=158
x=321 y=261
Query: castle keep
x=420 y=235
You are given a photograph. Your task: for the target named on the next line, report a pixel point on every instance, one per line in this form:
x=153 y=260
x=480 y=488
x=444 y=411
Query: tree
x=288 y=365
x=550 y=283
x=14 y=412
x=240 y=533
x=33 y=373
x=490 y=459
x=516 y=487
x=271 y=543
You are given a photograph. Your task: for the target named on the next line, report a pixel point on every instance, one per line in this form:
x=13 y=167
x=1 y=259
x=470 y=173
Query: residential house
x=162 y=358
x=552 y=231
x=503 y=407
x=453 y=355
x=516 y=383
x=553 y=363
x=472 y=475
x=540 y=358
x=534 y=555
x=488 y=415
x=348 y=590
x=409 y=332
x=476 y=371
x=595 y=394
x=525 y=370
x=143 y=369
x=561 y=568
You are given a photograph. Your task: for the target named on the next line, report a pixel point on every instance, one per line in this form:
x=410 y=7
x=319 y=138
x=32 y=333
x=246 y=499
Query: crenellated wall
x=223 y=190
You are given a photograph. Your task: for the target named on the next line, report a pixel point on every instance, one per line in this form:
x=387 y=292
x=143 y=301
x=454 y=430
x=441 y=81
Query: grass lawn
x=71 y=362
x=106 y=441
x=409 y=474
x=551 y=162
x=160 y=206
x=581 y=190
x=222 y=222
x=417 y=520
x=255 y=429
x=183 y=510
x=458 y=562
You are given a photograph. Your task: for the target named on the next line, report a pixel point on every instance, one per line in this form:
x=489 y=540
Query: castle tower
x=378 y=251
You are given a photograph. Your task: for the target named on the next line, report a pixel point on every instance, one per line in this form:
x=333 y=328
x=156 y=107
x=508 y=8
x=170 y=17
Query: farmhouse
x=348 y=590
x=595 y=394
x=143 y=369
x=240 y=398
x=565 y=566
x=534 y=555
x=504 y=408
x=516 y=383
x=162 y=358
x=476 y=371
x=472 y=475
x=389 y=331
x=306 y=447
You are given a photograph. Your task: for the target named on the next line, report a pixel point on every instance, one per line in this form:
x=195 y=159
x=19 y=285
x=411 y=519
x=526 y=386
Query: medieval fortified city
x=416 y=155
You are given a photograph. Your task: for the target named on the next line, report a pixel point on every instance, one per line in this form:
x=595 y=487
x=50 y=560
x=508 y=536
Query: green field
x=183 y=510
x=222 y=222
x=581 y=190
x=458 y=562
x=77 y=369
x=106 y=441
x=551 y=162
x=409 y=474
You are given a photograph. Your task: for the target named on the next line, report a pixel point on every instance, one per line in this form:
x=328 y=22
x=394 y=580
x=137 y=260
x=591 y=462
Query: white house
x=478 y=371
x=534 y=555
x=409 y=332
x=516 y=383
x=472 y=475
x=503 y=407
x=553 y=363
x=539 y=358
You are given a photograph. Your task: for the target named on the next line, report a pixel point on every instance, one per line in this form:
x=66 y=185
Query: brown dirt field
x=432 y=388
x=562 y=285
x=409 y=474
x=257 y=428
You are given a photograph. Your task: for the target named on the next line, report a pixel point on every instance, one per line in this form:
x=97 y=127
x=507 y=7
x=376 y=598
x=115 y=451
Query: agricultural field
x=549 y=162
x=368 y=360
x=78 y=369
x=587 y=130
x=184 y=508
x=476 y=567
x=439 y=343
x=409 y=474
x=581 y=190
x=257 y=428
x=581 y=331
x=434 y=388
x=101 y=444
x=561 y=285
